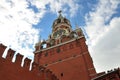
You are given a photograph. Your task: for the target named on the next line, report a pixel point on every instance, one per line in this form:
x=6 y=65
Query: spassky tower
x=65 y=52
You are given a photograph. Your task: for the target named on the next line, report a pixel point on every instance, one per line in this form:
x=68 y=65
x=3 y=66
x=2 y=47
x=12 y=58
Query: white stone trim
x=59 y=44
x=91 y=69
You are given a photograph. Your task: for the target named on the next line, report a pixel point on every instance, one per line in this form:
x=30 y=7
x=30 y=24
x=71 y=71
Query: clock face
x=59 y=33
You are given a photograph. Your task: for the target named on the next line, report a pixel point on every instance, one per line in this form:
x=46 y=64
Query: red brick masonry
x=13 y=71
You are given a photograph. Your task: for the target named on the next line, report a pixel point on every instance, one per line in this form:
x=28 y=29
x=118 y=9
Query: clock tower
x=61 y=26
x=66 y=53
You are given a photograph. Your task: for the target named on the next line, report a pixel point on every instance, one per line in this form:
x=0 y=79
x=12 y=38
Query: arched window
x=44 y=45
x=74 y=35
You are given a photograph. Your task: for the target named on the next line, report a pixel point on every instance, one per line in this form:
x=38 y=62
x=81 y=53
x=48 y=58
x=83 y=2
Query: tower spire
x=60 y=14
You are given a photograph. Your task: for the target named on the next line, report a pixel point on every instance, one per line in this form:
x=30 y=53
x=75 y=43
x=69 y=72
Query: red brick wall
x=110 y=75
x=14 y=71
x=70 y=61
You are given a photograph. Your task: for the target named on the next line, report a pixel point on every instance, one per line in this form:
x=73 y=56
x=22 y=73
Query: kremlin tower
x=65 y=52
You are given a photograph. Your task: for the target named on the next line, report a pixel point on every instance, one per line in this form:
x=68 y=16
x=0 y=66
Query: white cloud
x=56 y=5
x=106 y=51
x=103 y=38
x=17 y=18
x=16 y=29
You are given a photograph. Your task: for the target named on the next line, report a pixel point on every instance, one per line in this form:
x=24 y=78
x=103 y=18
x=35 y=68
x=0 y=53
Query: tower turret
x=61 y=32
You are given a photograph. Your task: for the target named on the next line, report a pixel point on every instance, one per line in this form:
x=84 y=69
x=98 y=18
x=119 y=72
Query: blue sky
x=22 y=22
x=78 y=17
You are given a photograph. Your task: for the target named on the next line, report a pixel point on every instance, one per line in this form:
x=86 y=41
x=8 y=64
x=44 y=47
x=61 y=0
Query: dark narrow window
x=41 y=47
x=46 y=64
x=11 y=55
x=74 y=55
x=58 y=50
x=46 y=54
x=59 y=60
x=61 y=74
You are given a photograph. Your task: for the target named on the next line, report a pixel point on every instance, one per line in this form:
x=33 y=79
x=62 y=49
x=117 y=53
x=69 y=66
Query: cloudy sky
x=25 y=22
